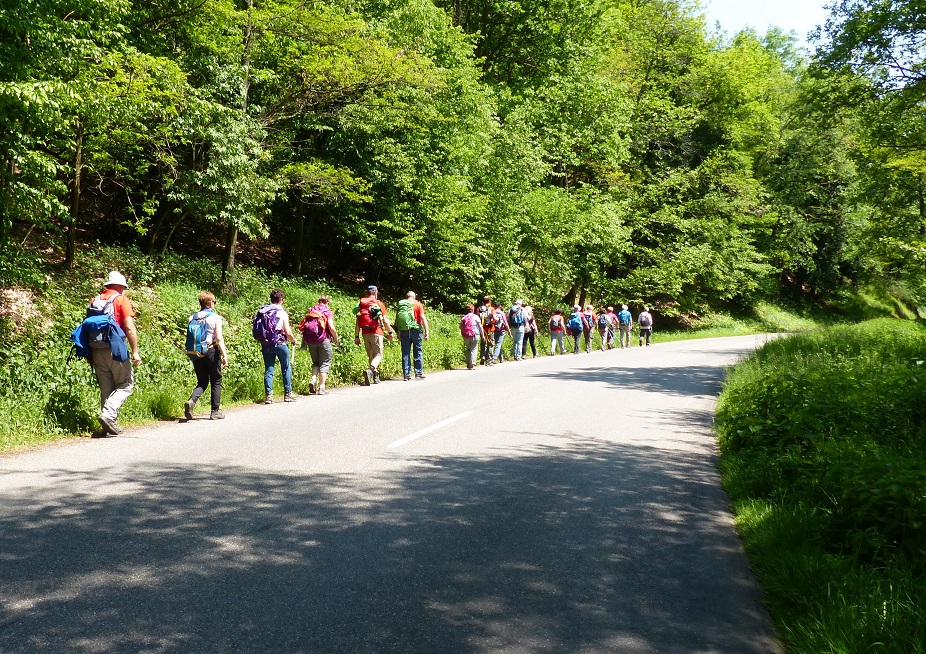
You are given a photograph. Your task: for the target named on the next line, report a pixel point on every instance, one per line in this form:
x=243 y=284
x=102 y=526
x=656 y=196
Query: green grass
x=822 y=439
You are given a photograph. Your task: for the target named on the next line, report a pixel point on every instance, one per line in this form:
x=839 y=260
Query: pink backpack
x=469 y=325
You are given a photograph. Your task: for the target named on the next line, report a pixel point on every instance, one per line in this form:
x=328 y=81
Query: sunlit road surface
x=556 y=505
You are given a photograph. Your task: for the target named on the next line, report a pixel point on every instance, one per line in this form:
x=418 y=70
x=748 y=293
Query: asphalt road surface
x=565 y=505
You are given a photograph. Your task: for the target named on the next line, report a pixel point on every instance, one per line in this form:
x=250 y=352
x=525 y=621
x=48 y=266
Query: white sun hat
x=116 y=278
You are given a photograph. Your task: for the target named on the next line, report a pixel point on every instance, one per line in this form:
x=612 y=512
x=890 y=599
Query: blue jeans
x=497 y=354
x=517 y=337
x=271 y=354
x=412 y=339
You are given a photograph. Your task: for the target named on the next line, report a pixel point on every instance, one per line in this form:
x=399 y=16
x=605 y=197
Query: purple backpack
x=264 y=328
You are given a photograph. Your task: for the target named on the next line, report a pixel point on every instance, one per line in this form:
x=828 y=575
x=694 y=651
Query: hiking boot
x=216 y=415
x=407 y=377
x=367 y=376
x=417 y=376
x=109 y=426
x=269 y=399
x=375 y=377
x=289 y=397
x=188 y=409
x=311 y=388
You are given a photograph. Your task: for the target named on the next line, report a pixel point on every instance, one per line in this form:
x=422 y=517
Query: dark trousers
x=529 y=340
x=208 y=372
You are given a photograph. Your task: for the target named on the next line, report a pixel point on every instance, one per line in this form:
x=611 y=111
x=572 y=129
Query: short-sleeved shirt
x=624 y=317
x=282 y=320
x=211 y=322
x=122 y=306
x=378 y=328
x=418 y=309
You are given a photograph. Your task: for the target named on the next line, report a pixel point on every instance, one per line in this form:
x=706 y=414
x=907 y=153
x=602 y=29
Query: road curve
x=564 y=505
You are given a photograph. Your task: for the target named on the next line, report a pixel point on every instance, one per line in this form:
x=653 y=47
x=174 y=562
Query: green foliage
x=822 y=436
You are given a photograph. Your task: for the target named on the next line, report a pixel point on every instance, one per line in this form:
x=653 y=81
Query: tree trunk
x=157 y=230
x=231 y=241
x=228 y=263
x=75 y=196
x=298 y=246
x=171 y=232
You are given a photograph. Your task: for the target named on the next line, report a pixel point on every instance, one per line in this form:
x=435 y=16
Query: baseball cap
x=372 y=288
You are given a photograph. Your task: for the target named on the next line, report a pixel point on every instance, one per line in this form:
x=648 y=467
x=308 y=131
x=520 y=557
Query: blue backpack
x=264 y=327
x=196 y=330
x=575 y=323
x=99 y=331
x=516 y=315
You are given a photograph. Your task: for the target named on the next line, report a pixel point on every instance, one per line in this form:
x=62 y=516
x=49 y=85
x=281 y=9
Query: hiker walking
x=318 y=333
x=574 y=325
x=605 y=330
x=206 y=348
x=588 y=327
x=109 y=356
x=645 y=321
x=373 y=324
x=516 y=324
x=625 y=325
x=557 y=326
x=413 y=331
x=499 y=328
x=530 y=330
x=472 y=331
x=488 y=329
x=272 y=330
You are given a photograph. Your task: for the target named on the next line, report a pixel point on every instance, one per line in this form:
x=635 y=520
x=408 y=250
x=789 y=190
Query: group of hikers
x=489 y=324
x=108 y=339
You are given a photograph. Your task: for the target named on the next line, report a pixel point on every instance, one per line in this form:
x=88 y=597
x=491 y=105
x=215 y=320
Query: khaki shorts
x=374 y=345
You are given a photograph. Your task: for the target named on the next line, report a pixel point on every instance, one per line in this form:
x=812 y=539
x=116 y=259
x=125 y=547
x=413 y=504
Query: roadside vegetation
x=823 y=441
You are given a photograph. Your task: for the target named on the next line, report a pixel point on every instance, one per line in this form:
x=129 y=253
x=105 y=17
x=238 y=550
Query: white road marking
x=428 y=430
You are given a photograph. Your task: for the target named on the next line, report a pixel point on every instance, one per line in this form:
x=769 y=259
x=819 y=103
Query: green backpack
x=405 y=316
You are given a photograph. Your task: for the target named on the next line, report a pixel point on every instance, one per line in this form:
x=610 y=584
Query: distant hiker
x=625 y=324
x=516 y=322
x=109 y=357
x=499 y=328
x=645 y=321
x=488 y=340
x=472 y=331
x=272 y=330
x=575 y=327
x=373 y=324
x=603 y=322
x=589 y=321
x=557 y=325
x=413 y=331
x=530 y=330
x=318 y=333
x=206 y=349
x=607 y=338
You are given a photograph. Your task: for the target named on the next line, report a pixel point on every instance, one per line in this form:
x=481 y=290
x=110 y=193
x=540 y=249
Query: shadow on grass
x=588 y=547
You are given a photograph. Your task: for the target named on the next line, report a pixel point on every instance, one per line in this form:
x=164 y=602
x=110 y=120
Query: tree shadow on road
x=584 y=547
x=681 y=381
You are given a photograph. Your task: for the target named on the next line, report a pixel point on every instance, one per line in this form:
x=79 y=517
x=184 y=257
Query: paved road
x=565 y=505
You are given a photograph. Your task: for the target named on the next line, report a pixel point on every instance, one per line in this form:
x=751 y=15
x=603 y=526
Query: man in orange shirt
x=116 y=378
x=373 y=325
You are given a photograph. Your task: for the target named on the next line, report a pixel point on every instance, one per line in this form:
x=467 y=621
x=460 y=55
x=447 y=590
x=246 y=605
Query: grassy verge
x=823 y=441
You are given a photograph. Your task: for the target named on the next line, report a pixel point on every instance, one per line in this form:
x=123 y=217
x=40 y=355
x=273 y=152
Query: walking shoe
x=417 y=376
x=311 y=388
x=407 y=377
x=110 y=426
x=188 y=409
x=322 y=391
x=216 y=415
x=289 y=397
x=367 y=376
x=269 y=399
x=375 y=377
